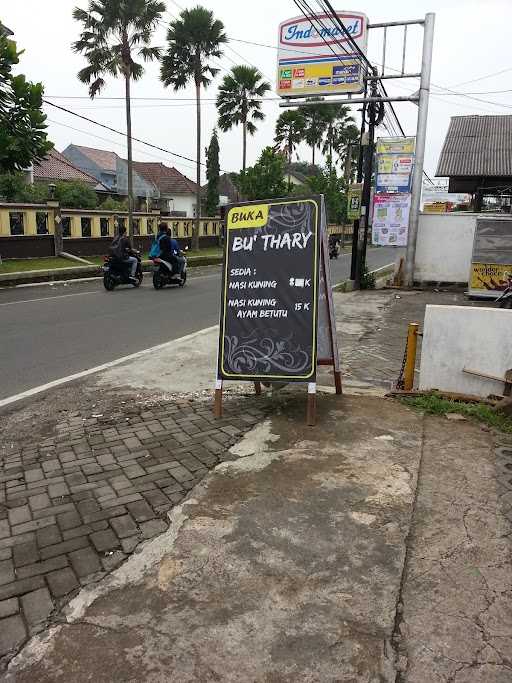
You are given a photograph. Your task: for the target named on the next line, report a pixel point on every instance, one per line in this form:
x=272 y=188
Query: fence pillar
x=54 y=210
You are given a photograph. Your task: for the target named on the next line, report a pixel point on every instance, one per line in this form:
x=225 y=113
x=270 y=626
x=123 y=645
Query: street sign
x=310 y=60
x=390 y=219
x=354 y=197
x=277 y=320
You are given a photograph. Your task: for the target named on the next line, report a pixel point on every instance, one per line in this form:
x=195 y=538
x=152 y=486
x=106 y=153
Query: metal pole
x=359 y=177
x=421 y=131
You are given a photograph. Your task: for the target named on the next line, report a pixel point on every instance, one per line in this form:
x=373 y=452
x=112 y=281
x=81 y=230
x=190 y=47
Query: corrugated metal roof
x=477 y=146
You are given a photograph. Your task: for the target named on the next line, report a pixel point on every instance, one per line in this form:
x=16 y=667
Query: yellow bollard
x=410 y=360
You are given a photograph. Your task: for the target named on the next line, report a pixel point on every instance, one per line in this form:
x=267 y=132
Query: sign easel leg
x=257 y=388
x=217 y=402
x=311 y=411
x=337 y=381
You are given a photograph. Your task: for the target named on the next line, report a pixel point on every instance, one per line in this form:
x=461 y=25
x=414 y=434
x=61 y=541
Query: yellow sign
x=248 y=216
x=354 y=196
x=396 y=145
x=436 y=207
x=489 y=276
x=319 y=77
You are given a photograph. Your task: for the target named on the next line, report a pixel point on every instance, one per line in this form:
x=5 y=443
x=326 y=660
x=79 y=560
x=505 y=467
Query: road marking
x=91 y=371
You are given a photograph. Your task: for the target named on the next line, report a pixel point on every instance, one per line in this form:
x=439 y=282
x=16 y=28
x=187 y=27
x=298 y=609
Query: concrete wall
x=457 y=337
x=186 y=203
x=444 y=247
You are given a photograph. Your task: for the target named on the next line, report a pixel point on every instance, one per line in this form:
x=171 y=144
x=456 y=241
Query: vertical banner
x=391 y=219
x=269 y=309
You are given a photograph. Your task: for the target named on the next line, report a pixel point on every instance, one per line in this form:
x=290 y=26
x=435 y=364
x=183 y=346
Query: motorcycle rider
x=122 y=249
x=170 y=249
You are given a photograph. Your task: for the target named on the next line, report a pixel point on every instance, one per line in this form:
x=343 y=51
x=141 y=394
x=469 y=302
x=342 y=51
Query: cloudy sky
x=472 y=45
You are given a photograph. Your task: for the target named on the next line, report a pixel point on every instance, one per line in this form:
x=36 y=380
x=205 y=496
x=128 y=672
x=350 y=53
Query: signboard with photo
x=310 y=61
x=391 y=219
x=492 y=256
x=396 y=145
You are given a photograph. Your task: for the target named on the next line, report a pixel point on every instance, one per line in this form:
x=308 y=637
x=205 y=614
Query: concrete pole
x=421 y=131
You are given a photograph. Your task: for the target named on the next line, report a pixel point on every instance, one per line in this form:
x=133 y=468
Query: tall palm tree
x=113 y=32
x=338 y=117
x=193 y=39
x=239 y=102
x=289 y=132
x=316 y=118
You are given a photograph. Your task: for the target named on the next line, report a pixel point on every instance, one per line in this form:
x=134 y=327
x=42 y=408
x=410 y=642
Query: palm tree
x=315 y=124
x=113 y=31
x=239 y=102
x=193 y=38
x=289 y=132
x=338 y=118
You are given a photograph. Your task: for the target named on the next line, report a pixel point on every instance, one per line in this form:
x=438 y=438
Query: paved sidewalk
x=75 y=505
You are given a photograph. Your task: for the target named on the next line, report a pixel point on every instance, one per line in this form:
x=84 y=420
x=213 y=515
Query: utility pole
x=359 y=178
x=367 y=186
x=421 y=132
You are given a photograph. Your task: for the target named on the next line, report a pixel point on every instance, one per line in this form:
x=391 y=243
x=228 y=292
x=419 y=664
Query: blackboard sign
x=269 y=310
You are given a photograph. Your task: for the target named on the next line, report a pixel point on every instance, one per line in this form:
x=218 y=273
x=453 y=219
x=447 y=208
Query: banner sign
x=391 y=219
x=310 y=60
x=398 y=145
x=492 y=256
x=395 y=163
x=393 y=182
x=269 y=311
x=354 y=198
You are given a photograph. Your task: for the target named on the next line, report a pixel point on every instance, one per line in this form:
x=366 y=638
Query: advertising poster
x=397 y=145
x=307 y=64
x=354 y=197
x=492 y=256
x=391 y=219
x=393 y=182
x=269 y=308
x=489 y=277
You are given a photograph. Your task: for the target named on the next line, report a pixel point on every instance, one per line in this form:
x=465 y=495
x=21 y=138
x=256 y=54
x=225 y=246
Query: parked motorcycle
x=116 y=272
x=334 y=248
x=163 y=274
x=505 y=298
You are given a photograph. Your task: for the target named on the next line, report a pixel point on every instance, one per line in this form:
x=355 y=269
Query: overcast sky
x=472 y=40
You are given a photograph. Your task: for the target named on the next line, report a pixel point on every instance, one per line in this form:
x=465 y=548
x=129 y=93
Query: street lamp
x=51 y=189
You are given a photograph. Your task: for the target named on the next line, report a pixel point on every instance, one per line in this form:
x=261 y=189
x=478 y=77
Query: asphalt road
x=49 y=332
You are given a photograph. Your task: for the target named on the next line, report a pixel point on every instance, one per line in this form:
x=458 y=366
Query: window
x=214 y=228
x=104 y=227
x=136 y=226
x=16 y=223
x=42 y=222
x=151 y=226
x=186 y=229
x=66 y=226
x=121 y=222
x=86 y=226
x=175 y=229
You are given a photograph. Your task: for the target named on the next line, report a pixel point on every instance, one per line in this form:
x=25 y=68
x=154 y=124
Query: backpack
x=115 y=248
x=155 y=250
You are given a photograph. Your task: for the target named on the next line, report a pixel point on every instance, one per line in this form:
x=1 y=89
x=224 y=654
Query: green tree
x=239 y=102
x=332 y=187
x=22 y=122
x=111 y=204
x=338 y=118
x=289 y=133
x=212 y=175
x=15 y=188
x=76 y=195
x=316 y=117
x=264 y=180
x=113 y=32
x=193 y=39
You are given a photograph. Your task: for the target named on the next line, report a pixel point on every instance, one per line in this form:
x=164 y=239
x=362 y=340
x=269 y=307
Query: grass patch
x=23 y=264
x=435 y=405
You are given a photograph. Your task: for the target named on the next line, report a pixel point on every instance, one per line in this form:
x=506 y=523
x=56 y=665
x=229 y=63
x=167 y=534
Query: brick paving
x=73 y=506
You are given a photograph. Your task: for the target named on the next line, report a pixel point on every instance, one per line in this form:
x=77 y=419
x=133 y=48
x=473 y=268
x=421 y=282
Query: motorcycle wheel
x=506 y=303
x=158 y=283
x=138 y=279
x=108 y=282
x=183 y=279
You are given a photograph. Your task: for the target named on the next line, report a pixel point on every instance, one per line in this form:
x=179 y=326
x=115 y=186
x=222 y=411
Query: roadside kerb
x=381 y=274
x=75 y=272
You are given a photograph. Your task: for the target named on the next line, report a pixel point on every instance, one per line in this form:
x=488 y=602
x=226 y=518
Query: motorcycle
x=163 y=274
x=505 y=298
x=117 y=272
x=334 y=250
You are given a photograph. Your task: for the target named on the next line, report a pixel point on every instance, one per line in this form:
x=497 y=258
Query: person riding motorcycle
x=170 y=249
x=122 y=250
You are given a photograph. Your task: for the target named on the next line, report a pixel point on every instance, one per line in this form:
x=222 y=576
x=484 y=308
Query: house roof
x=477 y=146
x=101 y=157
x=167 y=179
x=55 y=166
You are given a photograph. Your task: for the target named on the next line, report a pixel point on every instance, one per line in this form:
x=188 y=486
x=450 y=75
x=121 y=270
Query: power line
x=483 y=78
x=118 y=132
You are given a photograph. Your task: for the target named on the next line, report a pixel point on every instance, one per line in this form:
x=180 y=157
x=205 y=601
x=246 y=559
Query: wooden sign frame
x=326 y=351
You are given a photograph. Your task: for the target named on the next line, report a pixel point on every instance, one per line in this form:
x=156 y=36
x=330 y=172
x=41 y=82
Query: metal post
x=421 y=130
x=359 y=177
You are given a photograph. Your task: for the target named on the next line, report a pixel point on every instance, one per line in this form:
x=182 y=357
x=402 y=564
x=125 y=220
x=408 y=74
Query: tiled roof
x=477 y=146
x=55 y=166
x=168 y=180
x=103 y=158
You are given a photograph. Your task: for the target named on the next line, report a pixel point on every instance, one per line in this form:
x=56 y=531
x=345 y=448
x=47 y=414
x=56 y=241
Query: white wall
x=185 y=202
x=444 y=247
x=457 y=337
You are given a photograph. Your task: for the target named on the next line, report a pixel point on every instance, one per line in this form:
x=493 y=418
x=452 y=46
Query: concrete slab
x=284 y=565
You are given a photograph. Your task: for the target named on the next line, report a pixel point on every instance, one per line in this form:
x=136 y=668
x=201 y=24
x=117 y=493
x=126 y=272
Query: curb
x=75 y=272
x=381 y=278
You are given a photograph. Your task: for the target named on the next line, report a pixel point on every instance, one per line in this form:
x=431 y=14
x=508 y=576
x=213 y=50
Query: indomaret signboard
x=316 y=57
x=276 y=315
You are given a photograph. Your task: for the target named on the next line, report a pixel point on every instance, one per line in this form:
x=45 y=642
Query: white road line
x=91 y=371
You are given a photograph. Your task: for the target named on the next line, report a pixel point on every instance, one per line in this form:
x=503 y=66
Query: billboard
x=391 y=219
x=315 y=57
x=395 y=163
x=492 y=256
